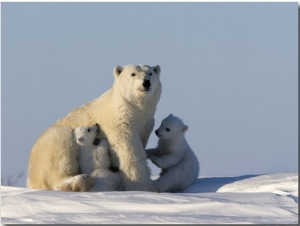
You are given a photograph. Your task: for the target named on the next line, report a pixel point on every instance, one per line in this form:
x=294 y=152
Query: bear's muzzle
x=146 y=83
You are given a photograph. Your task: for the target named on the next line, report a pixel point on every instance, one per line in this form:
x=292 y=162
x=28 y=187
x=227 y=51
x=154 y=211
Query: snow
x=255 y=199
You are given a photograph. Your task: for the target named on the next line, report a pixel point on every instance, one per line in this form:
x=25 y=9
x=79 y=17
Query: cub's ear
x=156 y=69
x=117 y=71
x=185 y=128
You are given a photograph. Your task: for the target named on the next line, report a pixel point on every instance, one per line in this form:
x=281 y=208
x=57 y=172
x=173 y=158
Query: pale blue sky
x=229 y=70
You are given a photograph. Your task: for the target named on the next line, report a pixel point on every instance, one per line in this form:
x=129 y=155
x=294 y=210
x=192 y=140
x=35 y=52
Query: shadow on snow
x=213 y=184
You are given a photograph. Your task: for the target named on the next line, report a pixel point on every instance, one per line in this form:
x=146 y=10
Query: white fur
x=180 y=166
x=94 y=160
x=125 y=114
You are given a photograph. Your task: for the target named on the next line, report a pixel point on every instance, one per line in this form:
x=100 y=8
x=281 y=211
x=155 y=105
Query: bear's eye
x=133 y=74
x=89 y=130
x=168 y=130
x=150 y=73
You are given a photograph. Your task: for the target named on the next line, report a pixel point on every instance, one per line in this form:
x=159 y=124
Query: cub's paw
x=82 y=182
x=85 y=176
x=155 y=160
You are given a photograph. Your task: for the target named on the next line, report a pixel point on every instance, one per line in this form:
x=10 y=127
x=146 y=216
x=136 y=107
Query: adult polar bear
x=125 y=114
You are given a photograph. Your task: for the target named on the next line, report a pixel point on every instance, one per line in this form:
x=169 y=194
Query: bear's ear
x=185 y=128
x=117 y=71
x=156 y=69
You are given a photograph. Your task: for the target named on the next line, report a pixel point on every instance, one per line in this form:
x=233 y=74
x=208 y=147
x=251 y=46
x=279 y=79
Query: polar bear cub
x=94 y=159
x=179 y=164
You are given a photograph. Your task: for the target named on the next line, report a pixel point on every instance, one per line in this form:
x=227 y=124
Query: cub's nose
x=156 y=132
x=146 y=83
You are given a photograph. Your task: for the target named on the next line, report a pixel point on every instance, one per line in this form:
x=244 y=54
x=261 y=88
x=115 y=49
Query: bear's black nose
x=156 y=132
x=146 y=83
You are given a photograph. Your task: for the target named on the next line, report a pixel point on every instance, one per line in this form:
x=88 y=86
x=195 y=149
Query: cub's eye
x=89 y=130
x=133 y=74
x=168 y=130
x=150 y=73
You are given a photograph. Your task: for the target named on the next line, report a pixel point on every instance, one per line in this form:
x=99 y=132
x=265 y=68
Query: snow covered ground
x=258 y=199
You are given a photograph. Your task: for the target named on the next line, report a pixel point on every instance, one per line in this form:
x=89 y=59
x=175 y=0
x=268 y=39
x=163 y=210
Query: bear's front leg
x=133 y=163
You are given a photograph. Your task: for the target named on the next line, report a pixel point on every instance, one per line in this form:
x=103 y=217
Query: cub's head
x=137 y=80
x=86 y=135
x=171 y=128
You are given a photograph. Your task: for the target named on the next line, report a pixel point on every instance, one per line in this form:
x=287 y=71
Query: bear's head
x=85 y=136
x=171 y=128
x=137 y=81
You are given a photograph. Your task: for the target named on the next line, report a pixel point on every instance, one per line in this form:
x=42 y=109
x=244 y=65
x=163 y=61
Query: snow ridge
x=255 y=199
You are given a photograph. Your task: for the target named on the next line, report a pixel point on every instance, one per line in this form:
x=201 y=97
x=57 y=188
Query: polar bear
x=180 y=166
x=94 y=159
x=125 y=114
